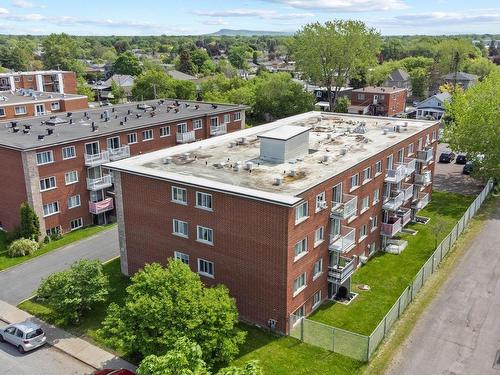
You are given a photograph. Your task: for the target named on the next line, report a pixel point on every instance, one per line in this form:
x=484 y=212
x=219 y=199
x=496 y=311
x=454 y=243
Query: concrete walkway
x=77 y=348
x=459 y=333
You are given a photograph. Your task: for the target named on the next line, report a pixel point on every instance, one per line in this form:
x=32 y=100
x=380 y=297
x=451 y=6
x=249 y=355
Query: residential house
x=399 y=78
x=378 y=101
x=432 y=107
x=465 y=80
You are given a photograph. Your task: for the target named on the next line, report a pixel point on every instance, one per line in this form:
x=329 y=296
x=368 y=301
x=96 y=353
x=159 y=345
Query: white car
x=25 y=336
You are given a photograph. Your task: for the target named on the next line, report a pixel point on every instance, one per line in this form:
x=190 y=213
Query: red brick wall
x=393 y=102
x=69 y=80
x=73 y=104
x=12 y=187
x=64 y=105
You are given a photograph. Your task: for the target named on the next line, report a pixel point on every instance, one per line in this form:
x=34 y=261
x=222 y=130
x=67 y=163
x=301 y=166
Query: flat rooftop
x=25 y=96
x=337 y=142
x=33 y=72
x=150 y=113
x=378 y=90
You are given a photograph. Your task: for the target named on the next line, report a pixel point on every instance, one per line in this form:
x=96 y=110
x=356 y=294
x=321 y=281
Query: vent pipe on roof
x=278 y=181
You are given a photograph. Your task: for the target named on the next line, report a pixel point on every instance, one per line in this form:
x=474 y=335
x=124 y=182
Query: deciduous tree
x=30 y=225
x=128 y=64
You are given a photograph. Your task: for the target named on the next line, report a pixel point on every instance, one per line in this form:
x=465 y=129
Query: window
x=30 y=78
x=316 y=299
x=299 y=313
x=71 y=177
x=204 y=200
x=179 y=195
x=197 y=124
x=410 y=149
x=420 y=144
x=337 y=193
x=299 y=284
x=17 y=79
x=361 y=96
x=205 y=235
x=74 y=201
x=365 y=203
x=53 y=231
x=434 y=135
x=164 y=131
x=184 y=258
x=300 y=249
x=77 y=223
x=48 y=183
x=378 y=167
x=388 y=164
x=68 y=152
x=319 y=236
x=363 y=231
x=2 y=112
x=355 y=181
x=147 y=135
x=180 y=228
x=320 y=201
x=401 y=155
x=318 y=268
x=205 y=267
x=237 y=116
x=44 y=157
x=373 y=223
x=367 y=174
x=301 y=212
x=50 y=209
x=54 y=106
x=227 y=118
x=376 y=196
x=131 y=138
x=214 y=121
x=20 y=110
x=373 y=248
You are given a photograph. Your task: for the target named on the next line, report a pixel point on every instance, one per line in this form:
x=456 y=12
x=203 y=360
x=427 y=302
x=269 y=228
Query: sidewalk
x=66 y=342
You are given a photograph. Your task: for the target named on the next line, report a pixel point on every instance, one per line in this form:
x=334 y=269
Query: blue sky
x=148 y=17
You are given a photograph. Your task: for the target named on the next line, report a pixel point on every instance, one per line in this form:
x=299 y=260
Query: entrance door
x=40 y=110
x=92 y=148
x=94 y=172
x=113 y=142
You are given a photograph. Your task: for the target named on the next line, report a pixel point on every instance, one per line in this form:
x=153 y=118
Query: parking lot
x=449 y=177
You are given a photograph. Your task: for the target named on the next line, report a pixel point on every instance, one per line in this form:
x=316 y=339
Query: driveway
x=459 y=333
x=20 y=282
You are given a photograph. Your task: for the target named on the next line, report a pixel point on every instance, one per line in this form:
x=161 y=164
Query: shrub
x=22 y=247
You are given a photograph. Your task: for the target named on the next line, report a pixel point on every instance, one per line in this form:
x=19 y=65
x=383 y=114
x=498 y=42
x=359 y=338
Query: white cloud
x=216 y=22
x=22 y=4
x=3 y=11
x=441 y=19
x=344 y=5
x=259 y=13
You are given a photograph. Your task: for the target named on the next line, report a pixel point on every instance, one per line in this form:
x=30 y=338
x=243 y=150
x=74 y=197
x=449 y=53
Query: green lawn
x=77 y=235
x=388 y=274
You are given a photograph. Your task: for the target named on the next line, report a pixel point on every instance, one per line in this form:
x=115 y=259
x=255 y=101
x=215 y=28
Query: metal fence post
x=302 y=329
x=385 y=324
x=432 y=268
x=411 y=291
x=399 y=307
x=423 y=275
x=333 y=340
x=441 y=251
x=368 y=349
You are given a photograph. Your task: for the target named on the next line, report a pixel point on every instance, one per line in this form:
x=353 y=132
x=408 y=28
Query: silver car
x=24 y=336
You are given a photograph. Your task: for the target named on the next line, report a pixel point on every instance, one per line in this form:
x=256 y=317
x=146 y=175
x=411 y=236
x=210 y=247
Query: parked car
x=107 y=371
x=24 y=336
x=461 y=159
x=468 y=167
x=446 y=157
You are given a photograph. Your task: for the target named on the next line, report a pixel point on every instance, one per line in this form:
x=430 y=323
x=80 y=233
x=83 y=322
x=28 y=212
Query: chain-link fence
x=362 y=347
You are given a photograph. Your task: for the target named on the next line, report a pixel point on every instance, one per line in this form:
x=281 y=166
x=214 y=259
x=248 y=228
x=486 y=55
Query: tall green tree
x=238 y=57
x=342 y=104
x=164 y=304
x=83 y=88
x=185 y=64
x=30 y=225
x=329 y=54
x=158 y=84
x=128 y=64
x=474 y=117
x=61 y=51
x=453 y=53
x=17 y=55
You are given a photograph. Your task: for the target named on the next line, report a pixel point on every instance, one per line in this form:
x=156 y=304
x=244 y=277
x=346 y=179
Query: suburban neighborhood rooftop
x=379 y=89
x=25 y=96
x=233 y=162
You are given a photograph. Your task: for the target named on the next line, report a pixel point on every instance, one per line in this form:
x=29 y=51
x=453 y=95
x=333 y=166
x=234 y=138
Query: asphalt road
x=20 y=282
x=459 y=333
x=42 y=361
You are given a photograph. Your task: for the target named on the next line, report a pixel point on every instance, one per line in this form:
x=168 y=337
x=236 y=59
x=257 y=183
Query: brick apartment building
x=28 y=103
x=55 y=162
x=283 y=213
x=56 y=81
x=378 y=101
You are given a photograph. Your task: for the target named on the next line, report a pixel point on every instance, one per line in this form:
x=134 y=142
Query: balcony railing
x=396 y=174
x=186 y=137
x=343 y=242
x=410 y=165
x=105 y=205
x=405 y=215
x=119 y=153
x=99 y=183
x=425 y=155
x=346 y=209
x=93 y=160
x=218 y=130
x=394 y=201
x=423 y=200
x=423 y=179
x=407 y=190
x=339 y=273
x=391 y=228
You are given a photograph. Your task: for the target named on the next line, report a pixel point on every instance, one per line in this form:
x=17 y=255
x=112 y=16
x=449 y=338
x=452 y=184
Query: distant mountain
x=230 y=32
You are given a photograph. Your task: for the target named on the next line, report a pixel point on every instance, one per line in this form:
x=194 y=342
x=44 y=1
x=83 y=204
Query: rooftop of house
x=181 y=76
x=33 y=72
x=399 y=75
x=78 y=125
x=460 y=76
x=378 y=90
x=233 y=163
x=27 y=96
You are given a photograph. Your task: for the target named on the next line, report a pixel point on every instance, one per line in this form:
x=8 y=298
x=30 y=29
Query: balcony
x=393 y=202
x=105 y=205
x=343 y=242
x=423 y=200
x=99 y=183
x=407 y=190
x=405 y=215
x=119 y=153
x=347 y=208
x=218 y=130
x=410 y=165
x=186 y=137
x=93 y=160
x=423 y=179
x=395 y=175
x=391 y=228
x=425 y=155
x=339 y=273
